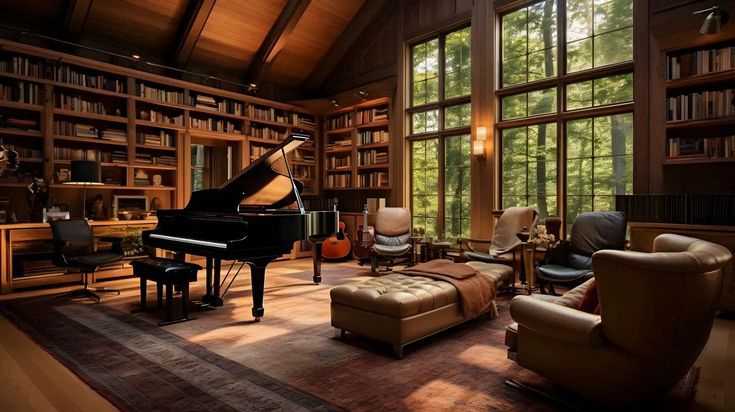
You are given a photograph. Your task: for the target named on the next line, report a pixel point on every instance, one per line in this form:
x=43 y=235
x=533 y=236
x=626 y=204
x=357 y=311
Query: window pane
x=600 y=92
x=529 y=41
x=528 y=167
x=456 y=185
x=529 y=104
x=457 y=63
x=425 y=185
x=425 y=72
x=599 y=162
x=423 y=122
x=457 y=116
x=599 y=33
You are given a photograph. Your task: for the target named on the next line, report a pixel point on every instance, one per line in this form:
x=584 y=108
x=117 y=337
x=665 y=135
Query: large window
x=566 y=101
x=439 y=119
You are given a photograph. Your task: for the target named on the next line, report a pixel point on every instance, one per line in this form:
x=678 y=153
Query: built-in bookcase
x=700 y=105
x=356 y=147
x=55 y=108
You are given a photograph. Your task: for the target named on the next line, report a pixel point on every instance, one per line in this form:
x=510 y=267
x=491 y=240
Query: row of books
x=705 y=148
x=202 y=101
x=215 y=125
x=338 y=143
x=700 y=62
x=267 y=133
x=701 y=105
x=80 y=104
x=26 y=152
x=372 y=115
x=162 y=138
x=154 y=93
x=257 y=151
x=119 y=156
x=21 y=123
x=339 y=180
x=338 y=161
x=339 y=121
x=150 y=159
x=21 y=66
x=303 y=155
x=714 y=209
x=373 y=136
x=372 y=157
x=303 y=172
x=68 y=74
x=21 y=92
x=20 y=176
x=67 y=153
x=263 y=113
x=160 y=117
x=67 y=128
x=373 y=179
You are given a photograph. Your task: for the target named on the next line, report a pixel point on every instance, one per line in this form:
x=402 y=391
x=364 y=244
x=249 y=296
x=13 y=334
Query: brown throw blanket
x=476 y=292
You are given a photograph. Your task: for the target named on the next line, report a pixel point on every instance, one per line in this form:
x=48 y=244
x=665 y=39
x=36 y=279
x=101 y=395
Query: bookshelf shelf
x=20 y=132
x=115 y=187
x=170 y=126
x=263 y=141
x=340 y=130
x=340 y=169
x=152 y=167
x=90 y=140
x=17 y=105
x=151 y=147
x=373 y=166
x=699 y=123
x=701 y=80
x=368 y=146
x=103 y=164
x=370 y=125
x=92 y=90
x=216 y=135
x=91 y=116
x=212 y=112
x=697 y=160
x=161 y=103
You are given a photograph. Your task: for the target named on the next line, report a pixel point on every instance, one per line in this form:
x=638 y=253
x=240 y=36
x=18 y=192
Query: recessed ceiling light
x=135 y=56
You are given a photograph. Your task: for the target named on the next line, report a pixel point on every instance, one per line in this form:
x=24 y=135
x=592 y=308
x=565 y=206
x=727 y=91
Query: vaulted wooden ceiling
x=278 y=41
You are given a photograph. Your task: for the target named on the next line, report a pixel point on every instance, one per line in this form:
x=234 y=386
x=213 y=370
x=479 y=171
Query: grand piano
x=244 y=220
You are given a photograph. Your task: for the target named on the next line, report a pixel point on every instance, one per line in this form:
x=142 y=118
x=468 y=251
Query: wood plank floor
x=35 y=381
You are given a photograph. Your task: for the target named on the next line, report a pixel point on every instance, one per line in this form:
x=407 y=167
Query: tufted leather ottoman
x=399 y=309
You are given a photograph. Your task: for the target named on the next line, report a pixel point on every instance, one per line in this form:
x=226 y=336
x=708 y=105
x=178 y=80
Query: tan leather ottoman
x=398 y=309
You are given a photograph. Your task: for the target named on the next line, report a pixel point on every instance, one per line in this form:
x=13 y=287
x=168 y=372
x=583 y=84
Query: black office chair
x=74 y=247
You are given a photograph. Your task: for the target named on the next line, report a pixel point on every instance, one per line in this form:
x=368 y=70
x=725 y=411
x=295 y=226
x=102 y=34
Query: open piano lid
x=257 y=188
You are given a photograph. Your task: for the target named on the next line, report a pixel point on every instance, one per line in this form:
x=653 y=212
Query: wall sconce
x=714 y=20
x=478 y=146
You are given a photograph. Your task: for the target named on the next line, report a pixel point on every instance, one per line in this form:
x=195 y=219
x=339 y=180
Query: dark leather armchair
x=392 y=237
x=74 y=247
x=571 y=261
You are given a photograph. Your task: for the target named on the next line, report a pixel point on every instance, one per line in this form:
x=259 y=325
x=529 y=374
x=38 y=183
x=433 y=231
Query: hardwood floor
x=35 y=381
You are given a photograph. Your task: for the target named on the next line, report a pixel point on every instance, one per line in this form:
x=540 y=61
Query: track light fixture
x=333 y=101
x=363 y=94
x=713 y=22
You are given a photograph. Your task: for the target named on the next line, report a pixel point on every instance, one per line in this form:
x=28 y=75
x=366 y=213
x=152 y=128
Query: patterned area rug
x=290 y=361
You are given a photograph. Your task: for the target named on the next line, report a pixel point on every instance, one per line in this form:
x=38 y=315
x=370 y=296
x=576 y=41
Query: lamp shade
x=712 y=23
x=84 y=172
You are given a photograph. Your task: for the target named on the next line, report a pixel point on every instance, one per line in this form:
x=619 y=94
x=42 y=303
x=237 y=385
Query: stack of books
x=165 y=160
x=119 y=156
x=85 y=130
x=204 y=102
x=163 y=138
x=372 y=115
x=18 y=123
x=339 y=143
x=145 y=158
x=137 y=181
x=114 y=135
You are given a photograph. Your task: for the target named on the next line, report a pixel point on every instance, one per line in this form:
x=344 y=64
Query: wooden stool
x=169 y=273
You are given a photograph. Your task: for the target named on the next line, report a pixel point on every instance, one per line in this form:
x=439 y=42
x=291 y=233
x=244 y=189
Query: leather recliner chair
x=392 y=237
x=657 y=311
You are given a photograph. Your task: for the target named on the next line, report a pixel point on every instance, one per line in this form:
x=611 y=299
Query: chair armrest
x=465 y=243
x=556 y=321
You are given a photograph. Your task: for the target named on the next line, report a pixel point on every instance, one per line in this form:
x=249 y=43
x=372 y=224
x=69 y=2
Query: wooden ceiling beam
x=362 y=20
x=191 y=28
x=275 y=40
x=76 y=15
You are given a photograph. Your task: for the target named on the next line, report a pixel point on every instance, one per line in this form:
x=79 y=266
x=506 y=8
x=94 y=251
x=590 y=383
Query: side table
x=531 y=256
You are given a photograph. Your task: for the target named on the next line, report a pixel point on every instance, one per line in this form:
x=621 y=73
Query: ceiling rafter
x=362 y=20
x=76 y=15
x=275 y=40
x=191 y=28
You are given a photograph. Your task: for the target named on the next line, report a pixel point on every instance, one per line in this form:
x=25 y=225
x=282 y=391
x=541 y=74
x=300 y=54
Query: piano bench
x=169 y=273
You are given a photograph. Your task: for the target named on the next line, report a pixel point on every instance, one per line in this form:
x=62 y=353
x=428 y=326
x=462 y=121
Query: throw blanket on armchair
x=476 y=292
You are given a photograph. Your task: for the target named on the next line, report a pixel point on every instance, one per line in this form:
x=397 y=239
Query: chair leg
x=84 y=292
x=552 y=292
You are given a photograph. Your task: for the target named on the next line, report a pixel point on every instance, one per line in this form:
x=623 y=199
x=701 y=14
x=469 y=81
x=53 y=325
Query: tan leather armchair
x=392 y=237
x=657 y=314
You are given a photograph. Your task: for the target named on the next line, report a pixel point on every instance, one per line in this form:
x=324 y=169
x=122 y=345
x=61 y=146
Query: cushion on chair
x=398 y=240
x=93 y=260
x=563 y=273
x=390 y=250
x=593 y=231
x=393 y=221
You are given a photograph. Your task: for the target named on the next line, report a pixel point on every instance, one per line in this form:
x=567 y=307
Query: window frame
x=440 y=105
x=562 y=114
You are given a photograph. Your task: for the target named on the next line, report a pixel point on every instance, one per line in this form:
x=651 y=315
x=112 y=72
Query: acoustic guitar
x=337 y=246
x=365 y=240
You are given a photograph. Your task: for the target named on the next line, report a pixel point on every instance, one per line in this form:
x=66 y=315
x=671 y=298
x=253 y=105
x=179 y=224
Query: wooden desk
x=642 y=235
x=21 y=232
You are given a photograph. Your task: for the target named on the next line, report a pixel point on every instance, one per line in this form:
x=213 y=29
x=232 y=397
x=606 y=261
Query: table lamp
x=84 y=173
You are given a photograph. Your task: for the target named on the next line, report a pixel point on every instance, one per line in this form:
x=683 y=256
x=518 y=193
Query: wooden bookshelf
x=700 y=113
x=356 y=147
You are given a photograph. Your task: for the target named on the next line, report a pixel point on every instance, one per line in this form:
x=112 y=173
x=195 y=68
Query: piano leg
x=317 y=258
x=212 y=296
x=216 y=282
x=257 y=280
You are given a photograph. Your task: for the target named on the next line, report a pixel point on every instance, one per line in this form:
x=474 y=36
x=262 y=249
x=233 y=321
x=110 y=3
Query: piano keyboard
x=190 y=241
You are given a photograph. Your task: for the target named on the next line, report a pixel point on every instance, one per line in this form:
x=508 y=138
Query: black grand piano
x=244 y=220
